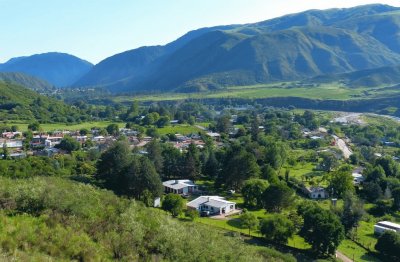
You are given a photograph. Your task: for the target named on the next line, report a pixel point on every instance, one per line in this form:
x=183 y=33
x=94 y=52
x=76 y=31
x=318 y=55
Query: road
x=343 y=147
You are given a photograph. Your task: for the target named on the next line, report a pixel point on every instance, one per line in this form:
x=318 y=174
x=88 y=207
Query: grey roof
x=178 y=184
x=213 y=201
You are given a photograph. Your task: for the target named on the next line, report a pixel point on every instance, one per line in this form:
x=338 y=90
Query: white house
x=316 y=192
x=383 y=226
x=357 y=178
x=216 y=205
x=180 y=186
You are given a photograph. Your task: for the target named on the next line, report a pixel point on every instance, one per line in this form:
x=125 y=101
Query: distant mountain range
x=316 y=44
x=58 y=69
x=291 y=47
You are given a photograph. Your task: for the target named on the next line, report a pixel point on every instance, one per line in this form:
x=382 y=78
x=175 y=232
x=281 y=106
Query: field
x=334 y=91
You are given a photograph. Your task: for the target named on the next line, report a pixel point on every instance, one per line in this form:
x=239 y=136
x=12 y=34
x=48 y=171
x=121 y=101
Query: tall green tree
x=389 y=245
x=252 y=192
x=277 y=197
x=174 y=204
x=249 y=221
x=277 y=228
x=353 y=211
x=341 y=182
x=154 y=151
x=321 y=229
x=69 y=144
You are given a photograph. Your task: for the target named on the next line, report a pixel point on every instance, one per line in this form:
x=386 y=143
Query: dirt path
x=342 y=257
x=343 y=147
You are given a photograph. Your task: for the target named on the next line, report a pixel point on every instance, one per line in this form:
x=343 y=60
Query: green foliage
x=69 y=144
x=252 y=192
x=389 y=245
x=321 y=228
x=341 y=182
x=277 y=197
x=174 y=204
x=248 y=220
x=353 y=211
x=277 y=228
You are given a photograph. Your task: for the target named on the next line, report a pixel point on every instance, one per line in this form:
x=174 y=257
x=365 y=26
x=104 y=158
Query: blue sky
x=96 y=29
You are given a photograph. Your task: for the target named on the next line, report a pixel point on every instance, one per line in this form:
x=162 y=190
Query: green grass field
x=178 y=129
x=324 y=91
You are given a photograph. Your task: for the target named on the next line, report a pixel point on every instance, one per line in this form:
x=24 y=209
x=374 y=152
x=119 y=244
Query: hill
x=58 y=69
x=292 y=47
x=17 y=102
x=27 y=81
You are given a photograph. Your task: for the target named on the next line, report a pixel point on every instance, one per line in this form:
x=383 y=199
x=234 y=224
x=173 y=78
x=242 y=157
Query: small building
x=316 y=192
x=215 y=136
x=358 y=179
x=184 y=186
x=215 y=205
x=383 y=226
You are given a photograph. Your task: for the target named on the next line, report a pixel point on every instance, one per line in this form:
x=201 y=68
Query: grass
x=178 y=129
x=23 y=126
x=324 y=91
x=355 y=252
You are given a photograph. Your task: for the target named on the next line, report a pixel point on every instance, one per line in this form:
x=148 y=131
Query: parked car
x=205 y=213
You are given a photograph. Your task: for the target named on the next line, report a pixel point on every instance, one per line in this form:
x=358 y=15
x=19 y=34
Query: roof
x=178 y=184
x=214 y=201
x=389 y=224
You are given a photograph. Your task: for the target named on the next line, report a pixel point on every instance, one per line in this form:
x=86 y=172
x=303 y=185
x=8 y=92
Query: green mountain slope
x=57 y=68
x=17 y=102
x=292 y=47
x=27 y=81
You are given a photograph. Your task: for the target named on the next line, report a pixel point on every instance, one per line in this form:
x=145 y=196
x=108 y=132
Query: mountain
x=292 y=47
x=58 y=69
x=20 y=103
x=376 y=77
x=27 y=81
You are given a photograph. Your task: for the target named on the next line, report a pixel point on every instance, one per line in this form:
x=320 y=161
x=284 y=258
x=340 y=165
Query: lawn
x=178 y=129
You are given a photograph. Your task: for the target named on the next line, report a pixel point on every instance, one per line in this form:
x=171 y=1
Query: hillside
x=292 y=47
x=20 y=103
x=27 y=81
x=56 y=68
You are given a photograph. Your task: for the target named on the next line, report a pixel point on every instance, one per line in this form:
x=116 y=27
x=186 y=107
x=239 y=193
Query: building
x=316 y=192
x=215 y=205
x=184 y=187
x=383 y=226
x=358 y=179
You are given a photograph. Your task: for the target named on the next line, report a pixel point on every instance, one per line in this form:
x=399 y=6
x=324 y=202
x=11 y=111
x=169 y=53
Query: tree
x=396 y=198
x=269 y=174
x=328 y=161
x=69 y=144
x=192 y=164
x=375 y=174
x=84 y=131
x=212 y=166
x=277 y=196
x=252 y=192
x=371 y=191
x=172 y=160
x=321 y=228
x=276 y=155
x=34 y=126
x=353 y=211
x=154 y=151
x=389 y=245
x=341 y=182
x=248 y=220
x=192 y=214
x=174 y=204
x=223 y=124
x=113 y=129
x=111 y=166
x=238 y=167
x=277 y=228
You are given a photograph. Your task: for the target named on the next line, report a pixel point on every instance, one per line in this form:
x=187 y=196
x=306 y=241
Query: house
x=180 y=186
x=383 y=226
x=358 y=178
x=215 y=136
x=316 y=192
x=216 y=205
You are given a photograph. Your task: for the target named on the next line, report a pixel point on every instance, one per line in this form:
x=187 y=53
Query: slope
x=27 y=81
x=17 y=102
x=57 y=68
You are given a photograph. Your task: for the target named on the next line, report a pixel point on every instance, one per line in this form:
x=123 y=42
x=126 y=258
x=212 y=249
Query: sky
x=96 y=29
